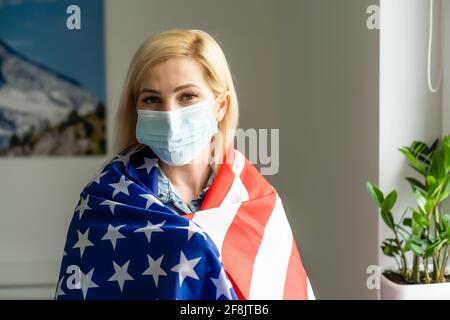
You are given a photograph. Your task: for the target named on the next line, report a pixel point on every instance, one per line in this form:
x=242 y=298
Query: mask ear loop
x=213 y=141
x=215 y=100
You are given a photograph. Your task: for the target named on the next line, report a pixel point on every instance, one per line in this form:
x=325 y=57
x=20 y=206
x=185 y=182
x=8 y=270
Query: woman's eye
x=151 y=99
x=188 y=96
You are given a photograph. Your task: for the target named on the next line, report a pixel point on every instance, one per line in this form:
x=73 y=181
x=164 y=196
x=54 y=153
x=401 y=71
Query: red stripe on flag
x=243 y=239
x=256 y=185
x=296 y=279
x=244 y=236
x=220 y=186
x=222 y=182
x=235 y=285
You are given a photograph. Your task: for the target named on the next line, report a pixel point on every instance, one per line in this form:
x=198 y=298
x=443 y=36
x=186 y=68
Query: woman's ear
x=223 y=104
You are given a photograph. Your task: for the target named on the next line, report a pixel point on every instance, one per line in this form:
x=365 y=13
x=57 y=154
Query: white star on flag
x=59 y=290
x=193 y=228
x=113 y=234
x=121 y=274
x=83 y=206
x=122 y=158
x=121 y=186
x=86 y=282
x=148 y=164
x=151 y=199
x=149 y=228
x=83 y=241
x=186 y=268
x=223 y=285
x=154 y=268
x=110 y=204
x=97 y=179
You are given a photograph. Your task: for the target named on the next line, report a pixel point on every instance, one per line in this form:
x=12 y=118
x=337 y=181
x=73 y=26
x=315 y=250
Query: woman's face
x=177 y=83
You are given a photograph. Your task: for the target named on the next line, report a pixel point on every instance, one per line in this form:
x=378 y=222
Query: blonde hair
x=172 y=43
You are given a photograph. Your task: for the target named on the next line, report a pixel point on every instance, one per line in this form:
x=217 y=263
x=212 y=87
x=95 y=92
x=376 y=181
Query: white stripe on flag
x=216 y=222
x=237 y=192
x=311 y=295
x=272 y=259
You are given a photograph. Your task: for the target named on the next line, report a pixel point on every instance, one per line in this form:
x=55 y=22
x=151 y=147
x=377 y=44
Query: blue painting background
x=37 y=29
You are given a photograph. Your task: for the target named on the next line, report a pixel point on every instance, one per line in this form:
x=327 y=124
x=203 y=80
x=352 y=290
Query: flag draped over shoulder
x=123 y=243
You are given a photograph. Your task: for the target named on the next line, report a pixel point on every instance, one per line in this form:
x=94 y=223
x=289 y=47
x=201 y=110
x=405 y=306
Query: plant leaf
x=420 y=200
x=388 y=219
x=375 y=193
x=413 y=161
x=420 y=219
x=389 y=201
x=407 y=222
x=416 y=184
x=435 y=247
x=418 y=250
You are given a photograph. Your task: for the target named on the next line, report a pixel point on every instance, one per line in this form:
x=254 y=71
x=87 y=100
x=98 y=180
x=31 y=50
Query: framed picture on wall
x=52 y=78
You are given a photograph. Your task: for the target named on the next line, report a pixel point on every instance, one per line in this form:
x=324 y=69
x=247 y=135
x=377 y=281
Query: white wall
x=408 y=110
x=446 y=81
x=328 y=107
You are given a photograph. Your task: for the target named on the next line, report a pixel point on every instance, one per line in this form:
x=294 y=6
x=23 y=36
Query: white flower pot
x=433 y=291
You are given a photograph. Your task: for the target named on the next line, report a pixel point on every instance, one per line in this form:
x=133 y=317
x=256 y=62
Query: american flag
x=123 y=243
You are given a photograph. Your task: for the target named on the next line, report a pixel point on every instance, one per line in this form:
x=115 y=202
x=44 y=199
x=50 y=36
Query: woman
x=179 y=213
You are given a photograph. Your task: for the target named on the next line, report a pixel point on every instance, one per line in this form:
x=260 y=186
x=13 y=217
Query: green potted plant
x=420 y=242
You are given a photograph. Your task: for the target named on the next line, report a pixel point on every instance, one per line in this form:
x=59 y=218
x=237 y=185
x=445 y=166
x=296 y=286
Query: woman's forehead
x=174 y=72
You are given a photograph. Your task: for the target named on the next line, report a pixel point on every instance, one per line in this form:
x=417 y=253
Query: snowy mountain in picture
x=34 y=99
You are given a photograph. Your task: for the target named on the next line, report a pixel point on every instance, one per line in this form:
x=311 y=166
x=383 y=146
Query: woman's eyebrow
x=187 y=85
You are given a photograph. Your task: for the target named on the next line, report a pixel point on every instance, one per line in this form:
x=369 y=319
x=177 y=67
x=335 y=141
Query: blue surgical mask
x=177 y=136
